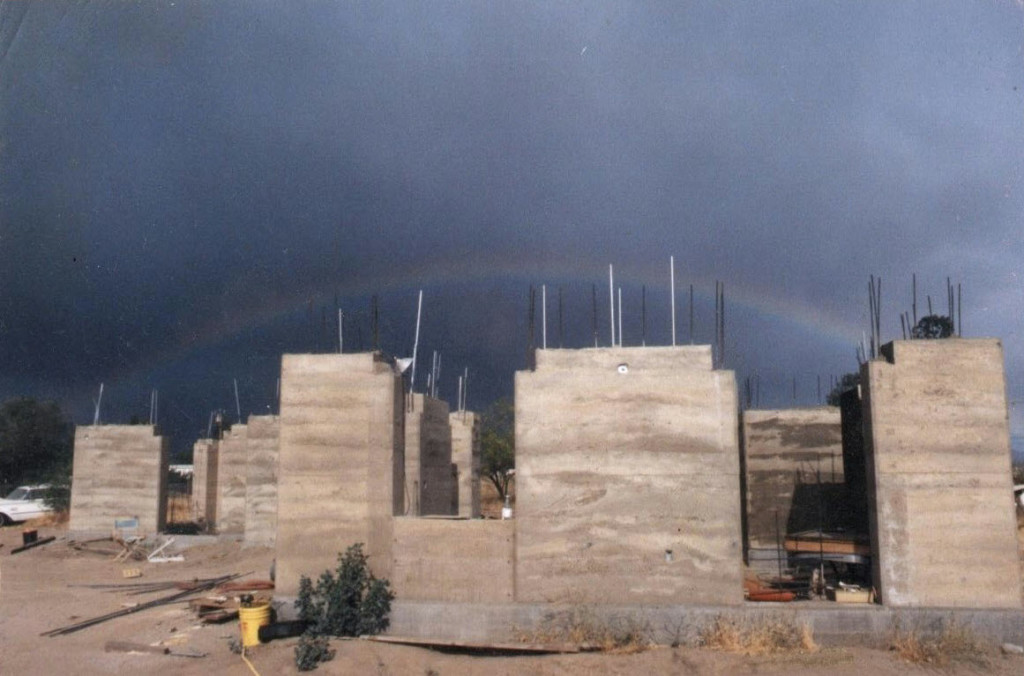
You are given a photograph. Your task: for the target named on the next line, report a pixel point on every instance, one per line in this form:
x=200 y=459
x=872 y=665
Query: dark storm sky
x=186 y=188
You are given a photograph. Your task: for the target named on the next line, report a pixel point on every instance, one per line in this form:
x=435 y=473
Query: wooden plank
x=476 y=645
x=131 y=647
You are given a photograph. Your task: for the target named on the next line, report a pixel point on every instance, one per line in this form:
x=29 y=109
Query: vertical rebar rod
x=375 y=319
x=544 y=316
x=913 y=302
x=96 y=413
x=643 y=316
x=611 y=301
x=672 y=293
x=691 y=314
x=619 y=316
x=959 y=309
x=560 y=317
x=416 y=343
x=778 y=542
x=593 y=315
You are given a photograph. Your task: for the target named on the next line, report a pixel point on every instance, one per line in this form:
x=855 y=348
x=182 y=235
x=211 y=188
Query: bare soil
x=36 y=596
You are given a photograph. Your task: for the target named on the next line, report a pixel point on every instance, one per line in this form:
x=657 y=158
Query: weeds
x=761 y=636
x=955 y=643
x=581 y=626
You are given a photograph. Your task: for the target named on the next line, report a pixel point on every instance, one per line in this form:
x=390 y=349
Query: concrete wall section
x=340 y=462
x=465 y=431
x=454 y=560
x=261 y=480
x=937 y=440
x=231 y=477
x=627 y=471
x=429 y=483
x=786 y=451
x=119 y=471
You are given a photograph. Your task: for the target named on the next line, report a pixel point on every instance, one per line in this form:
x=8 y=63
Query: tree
x=847 y=382
x=35 y=441
x=498 y=444
x=933 y=326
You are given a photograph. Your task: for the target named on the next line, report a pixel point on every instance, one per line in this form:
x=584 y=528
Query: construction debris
x=205 y=586
x=36 y=543
x=154 y=557
x=130 y=647
x=246 y=585
x=474 y=646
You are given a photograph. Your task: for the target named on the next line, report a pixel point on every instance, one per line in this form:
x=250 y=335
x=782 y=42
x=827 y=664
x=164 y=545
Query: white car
x=22 y=504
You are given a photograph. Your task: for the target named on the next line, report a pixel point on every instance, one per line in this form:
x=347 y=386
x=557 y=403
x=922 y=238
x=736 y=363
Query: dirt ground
x=36 y=596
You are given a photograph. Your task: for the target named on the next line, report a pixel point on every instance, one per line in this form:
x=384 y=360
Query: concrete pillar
x=341 y=462
x=119 y=471
x=627 y=478
x=429 y=484
x=204 y=469
x=465 y=431
x=231 y=478
x=937 y=443
x=261 y=480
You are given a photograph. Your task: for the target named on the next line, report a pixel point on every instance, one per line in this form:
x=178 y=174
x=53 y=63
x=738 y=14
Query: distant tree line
x=36 y=442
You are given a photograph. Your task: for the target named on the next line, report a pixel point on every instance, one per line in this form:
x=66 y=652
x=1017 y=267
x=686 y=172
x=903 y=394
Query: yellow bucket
x=251 y=620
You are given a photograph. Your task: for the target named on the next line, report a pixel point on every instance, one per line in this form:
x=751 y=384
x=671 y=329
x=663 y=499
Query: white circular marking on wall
x=623 y=368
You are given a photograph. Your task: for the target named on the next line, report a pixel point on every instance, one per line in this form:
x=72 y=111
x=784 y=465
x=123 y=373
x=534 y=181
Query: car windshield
x=17 y=494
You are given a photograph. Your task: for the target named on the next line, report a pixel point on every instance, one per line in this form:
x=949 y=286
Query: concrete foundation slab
x=869 y=625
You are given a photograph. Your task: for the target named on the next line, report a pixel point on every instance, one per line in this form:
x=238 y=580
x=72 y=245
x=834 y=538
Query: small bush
x=311 y=651
x=762 y=636
x=349 y=601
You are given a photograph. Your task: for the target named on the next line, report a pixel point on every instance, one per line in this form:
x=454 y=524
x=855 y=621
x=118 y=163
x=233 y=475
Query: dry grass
x=954 y=643
x=579 y=625
x=761 y=636
x=47 y=520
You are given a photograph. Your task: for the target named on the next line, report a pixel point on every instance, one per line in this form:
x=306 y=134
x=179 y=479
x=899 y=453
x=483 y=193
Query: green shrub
x=349 y=601
x=311 y=651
